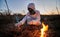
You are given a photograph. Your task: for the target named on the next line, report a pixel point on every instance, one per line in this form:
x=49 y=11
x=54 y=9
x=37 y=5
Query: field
x=7 y=28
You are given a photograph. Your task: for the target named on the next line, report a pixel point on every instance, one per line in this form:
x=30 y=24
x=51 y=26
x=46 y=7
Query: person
x=32 y=17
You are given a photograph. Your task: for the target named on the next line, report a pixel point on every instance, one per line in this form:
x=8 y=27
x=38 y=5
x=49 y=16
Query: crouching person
x=32 y=18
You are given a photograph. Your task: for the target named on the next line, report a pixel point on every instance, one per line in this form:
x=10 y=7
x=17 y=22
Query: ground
x=7 y=28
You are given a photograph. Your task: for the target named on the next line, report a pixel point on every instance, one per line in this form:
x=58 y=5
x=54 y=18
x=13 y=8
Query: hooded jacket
x=31 y=19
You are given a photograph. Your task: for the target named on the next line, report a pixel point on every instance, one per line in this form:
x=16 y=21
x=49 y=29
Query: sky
x=20 y=6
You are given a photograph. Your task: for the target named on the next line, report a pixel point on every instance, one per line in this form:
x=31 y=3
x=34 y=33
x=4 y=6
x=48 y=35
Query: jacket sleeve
x=38 y=16
x=22 y=21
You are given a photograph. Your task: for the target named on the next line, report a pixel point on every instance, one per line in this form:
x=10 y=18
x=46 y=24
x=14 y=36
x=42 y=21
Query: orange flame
x=43 y=30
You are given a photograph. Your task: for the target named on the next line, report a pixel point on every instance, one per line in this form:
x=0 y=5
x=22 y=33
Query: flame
x=43 y=30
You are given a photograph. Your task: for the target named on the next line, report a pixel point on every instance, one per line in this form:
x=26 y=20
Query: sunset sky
x=20 y=6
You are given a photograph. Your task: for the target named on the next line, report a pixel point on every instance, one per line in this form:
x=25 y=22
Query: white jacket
x=31 y=19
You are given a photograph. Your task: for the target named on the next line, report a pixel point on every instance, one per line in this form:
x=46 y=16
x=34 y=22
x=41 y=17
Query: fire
x=43 y=30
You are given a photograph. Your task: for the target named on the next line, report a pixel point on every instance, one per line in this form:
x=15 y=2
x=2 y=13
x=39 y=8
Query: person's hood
x=31 y=5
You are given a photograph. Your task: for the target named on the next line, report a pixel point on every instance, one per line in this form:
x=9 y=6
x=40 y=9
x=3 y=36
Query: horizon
x=46 y=7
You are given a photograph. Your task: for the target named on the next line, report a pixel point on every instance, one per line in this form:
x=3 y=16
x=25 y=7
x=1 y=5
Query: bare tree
x=57 y=7
x=7 y=6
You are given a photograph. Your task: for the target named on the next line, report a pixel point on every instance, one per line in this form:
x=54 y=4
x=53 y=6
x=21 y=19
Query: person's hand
x=36 y=22
x=30 y=23
x=18 y=25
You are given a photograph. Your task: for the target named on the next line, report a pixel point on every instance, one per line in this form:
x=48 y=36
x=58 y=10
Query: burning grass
x=44 y=29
